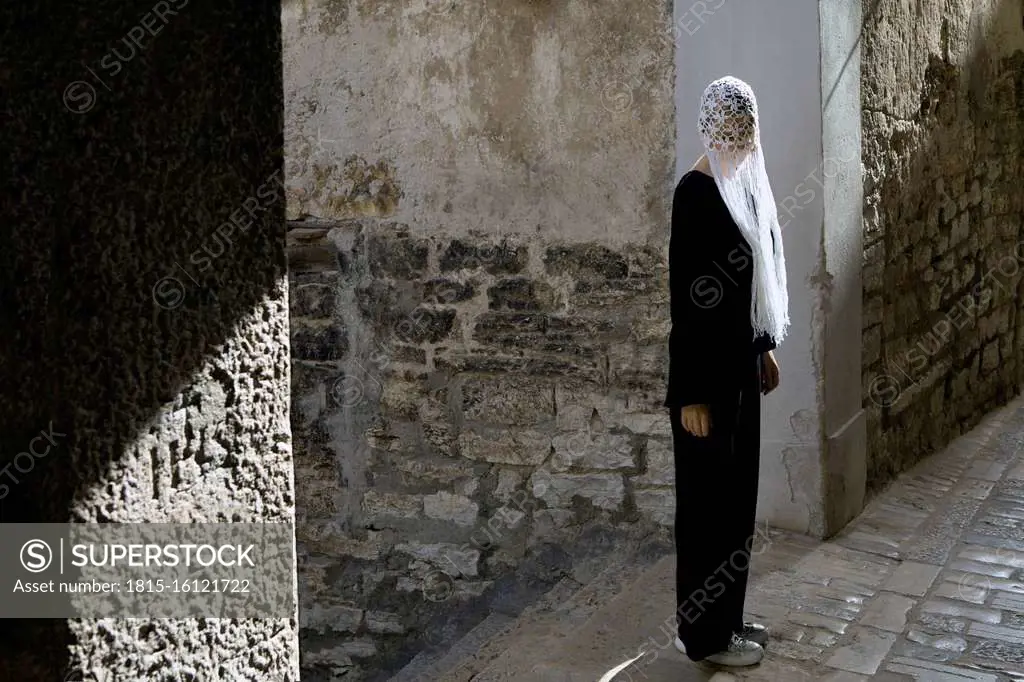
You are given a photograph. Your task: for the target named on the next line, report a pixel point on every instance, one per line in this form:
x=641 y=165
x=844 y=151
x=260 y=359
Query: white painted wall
x=774 y=46
x=840 y=288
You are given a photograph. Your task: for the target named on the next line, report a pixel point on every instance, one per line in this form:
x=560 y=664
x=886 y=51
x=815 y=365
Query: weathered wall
x=943 y=127
x=479 y=195
x=153 y=345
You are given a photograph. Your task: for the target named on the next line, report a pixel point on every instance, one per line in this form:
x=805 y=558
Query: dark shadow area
x=131 y=131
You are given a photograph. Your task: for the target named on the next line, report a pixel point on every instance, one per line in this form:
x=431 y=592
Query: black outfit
x=713 y=360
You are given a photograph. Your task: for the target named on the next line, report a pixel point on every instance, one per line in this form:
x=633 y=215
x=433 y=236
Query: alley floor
x=927 y=584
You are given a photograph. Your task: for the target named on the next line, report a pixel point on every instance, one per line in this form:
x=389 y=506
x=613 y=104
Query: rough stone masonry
x=490 y=395
x=166 y=379
x=478 y=196
x=943 y=124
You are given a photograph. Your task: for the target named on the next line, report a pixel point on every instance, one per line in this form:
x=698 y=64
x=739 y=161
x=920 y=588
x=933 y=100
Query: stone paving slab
x=927 y=584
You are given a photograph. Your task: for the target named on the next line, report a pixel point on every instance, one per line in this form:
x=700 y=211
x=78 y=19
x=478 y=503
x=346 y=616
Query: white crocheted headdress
x=728 y=126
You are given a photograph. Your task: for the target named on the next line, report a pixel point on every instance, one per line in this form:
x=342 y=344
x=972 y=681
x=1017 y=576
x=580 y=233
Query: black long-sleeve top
x=710 y=271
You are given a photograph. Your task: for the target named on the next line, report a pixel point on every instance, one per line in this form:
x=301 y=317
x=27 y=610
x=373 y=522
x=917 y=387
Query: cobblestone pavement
x=927 y=584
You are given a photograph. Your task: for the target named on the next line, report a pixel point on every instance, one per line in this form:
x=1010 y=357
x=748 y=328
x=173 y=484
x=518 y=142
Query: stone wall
x=479 y=199
x=943 y=128
x=142 y=329
x=481 y=397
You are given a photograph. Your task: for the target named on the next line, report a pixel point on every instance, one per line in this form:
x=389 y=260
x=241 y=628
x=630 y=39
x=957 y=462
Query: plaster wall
x=478 y=196
x=775 y=48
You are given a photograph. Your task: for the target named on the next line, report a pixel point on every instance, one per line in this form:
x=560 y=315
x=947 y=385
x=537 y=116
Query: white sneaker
x=755 y=632
x=740 y=652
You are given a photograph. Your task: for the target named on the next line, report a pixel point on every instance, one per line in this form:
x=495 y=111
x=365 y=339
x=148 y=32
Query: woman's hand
x=769 y=373
x=697 y=420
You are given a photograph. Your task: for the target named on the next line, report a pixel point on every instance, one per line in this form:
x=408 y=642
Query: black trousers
x=716 y=502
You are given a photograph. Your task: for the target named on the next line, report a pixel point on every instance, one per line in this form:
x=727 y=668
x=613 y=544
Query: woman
x=729 y=310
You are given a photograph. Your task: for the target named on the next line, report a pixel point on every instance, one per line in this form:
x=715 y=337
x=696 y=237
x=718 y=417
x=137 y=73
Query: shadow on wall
x=944 y=237
x=137 y=129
